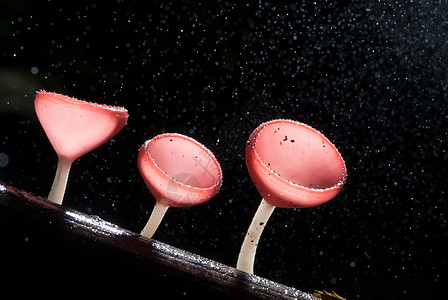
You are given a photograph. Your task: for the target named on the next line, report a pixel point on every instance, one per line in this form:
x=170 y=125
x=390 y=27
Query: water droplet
x=4 y=160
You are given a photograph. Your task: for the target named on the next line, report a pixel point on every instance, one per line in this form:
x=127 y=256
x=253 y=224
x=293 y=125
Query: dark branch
x=92 y=244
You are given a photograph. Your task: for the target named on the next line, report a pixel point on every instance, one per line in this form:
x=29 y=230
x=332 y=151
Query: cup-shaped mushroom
x=294 y=165
x=74 y=128
x=179 y=171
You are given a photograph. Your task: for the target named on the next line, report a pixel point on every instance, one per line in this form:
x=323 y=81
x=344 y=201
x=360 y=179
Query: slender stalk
x=249 y=247
x=60 y=180
x=154 y=220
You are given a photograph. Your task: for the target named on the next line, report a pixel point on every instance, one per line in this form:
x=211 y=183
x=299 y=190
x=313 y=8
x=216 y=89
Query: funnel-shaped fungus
x=292 y=165
x=178 y=171
x=74 y=128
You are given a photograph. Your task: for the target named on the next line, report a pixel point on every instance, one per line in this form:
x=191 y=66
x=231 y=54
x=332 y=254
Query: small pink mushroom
x=178 y=171
x=74 y=128
x=293 y=166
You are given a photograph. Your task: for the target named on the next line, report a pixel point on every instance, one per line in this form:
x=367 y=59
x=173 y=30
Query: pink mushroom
x=178 y=171
x=293 y=166
x=74 y=128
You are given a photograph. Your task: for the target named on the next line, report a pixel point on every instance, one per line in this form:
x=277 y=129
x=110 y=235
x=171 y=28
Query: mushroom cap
x=75 y=127
x=178 y=170
x=294 y=165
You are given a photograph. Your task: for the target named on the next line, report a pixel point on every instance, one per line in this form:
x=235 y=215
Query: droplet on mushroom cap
x=75 y=127
x=178 y=170
x=294 y=165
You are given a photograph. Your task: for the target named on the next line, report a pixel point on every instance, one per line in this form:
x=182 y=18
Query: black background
x=371 y=75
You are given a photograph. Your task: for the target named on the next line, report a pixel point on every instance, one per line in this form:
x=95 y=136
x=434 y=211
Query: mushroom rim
x=218 y=182
x=76 y=101
x=253 y=142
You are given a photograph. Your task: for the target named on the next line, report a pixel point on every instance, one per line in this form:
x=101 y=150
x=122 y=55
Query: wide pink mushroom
x=74 y=128
x=293 y=166
x=179 y=171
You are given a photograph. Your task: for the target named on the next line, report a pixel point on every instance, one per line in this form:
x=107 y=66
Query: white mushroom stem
x=154 y=220
x=246 y=257
x=60 y=180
